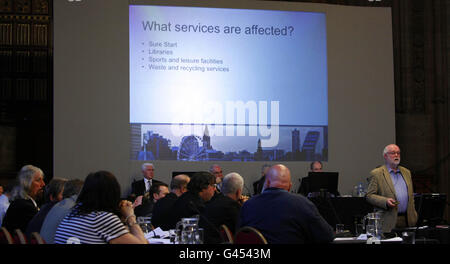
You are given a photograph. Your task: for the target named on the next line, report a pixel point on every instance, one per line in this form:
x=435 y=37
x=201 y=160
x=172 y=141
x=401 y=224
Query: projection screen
x=237 y=83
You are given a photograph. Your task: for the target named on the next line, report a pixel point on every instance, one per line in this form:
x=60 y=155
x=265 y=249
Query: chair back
x=226 y=235
x=249 y=235
x=36 y=239
x=5 y=236
x=19 y=237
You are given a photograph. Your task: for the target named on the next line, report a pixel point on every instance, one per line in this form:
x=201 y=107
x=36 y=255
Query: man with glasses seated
x=216 y=170
x=390 y=190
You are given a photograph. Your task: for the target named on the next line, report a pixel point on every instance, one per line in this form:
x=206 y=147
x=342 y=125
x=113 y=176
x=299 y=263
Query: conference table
x=351 y=211
x=358 y=240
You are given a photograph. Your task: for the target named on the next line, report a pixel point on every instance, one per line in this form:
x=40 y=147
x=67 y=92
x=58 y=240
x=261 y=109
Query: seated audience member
x=201 y=189
x=223 y=210
x=23 y=205
x=95 y=217
x=157 y=191
x=71 y=190
x=258 y=185
x=283 y=217
x=161 y=210
x=53 y=193
x=216 y=170
x=141 y=187
x=4 y=200
x=315 y=166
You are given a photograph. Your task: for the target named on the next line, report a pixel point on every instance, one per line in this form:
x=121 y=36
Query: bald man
x=161 y=210
x=390 y=190
x=283 y=217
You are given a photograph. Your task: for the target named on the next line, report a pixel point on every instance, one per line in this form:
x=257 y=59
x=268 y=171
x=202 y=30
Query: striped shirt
x=94 y=228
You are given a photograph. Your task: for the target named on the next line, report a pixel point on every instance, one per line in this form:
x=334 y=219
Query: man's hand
x=138 y=201
x=391 y=203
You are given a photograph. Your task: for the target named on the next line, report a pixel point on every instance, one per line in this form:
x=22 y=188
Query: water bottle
x=361 y=192
x=355 y=191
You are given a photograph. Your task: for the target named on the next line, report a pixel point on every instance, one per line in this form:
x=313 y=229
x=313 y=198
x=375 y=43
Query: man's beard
x=396 y=162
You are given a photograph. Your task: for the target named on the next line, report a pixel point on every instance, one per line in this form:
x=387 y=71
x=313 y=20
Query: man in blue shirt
x=391 y=191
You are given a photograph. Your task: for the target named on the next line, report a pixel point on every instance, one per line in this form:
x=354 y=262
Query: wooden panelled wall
x=26 y=133
x=421 y=51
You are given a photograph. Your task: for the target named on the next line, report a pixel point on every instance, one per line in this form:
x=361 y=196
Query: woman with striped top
x=95 y=217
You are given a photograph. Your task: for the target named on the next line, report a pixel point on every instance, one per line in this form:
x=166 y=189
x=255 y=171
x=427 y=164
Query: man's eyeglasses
x=394 y=152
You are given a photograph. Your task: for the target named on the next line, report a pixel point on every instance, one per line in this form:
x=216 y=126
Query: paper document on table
x=157 y=233
x=362 y=237
x=344 y=238
x=394 y=239
x=158 y=241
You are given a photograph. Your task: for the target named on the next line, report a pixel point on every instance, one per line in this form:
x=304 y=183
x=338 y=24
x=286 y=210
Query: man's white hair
x=144 y=166
x=231 y=183
x=25 y=179
x=386 y=149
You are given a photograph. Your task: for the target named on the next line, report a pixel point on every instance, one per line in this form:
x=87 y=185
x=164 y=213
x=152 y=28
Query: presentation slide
x=186 y=84
x=227 y=84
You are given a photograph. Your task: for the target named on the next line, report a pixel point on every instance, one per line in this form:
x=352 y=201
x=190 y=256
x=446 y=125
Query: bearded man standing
x=390 y=190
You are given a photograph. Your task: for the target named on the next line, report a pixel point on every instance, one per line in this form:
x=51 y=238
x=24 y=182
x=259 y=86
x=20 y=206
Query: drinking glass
x=145 y=222
x=174 y=235
x=199 y=236
x=370 y=231
x=372 y=236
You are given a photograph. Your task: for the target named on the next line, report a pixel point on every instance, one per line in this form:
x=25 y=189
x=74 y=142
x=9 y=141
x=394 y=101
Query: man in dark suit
x=315 y=166
x=216 y=170
x=259 y=184
x=157 y=191
x=162 y=208
x=201 y=189
x=283 y=217
x=139 y=188
x=223 y=210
